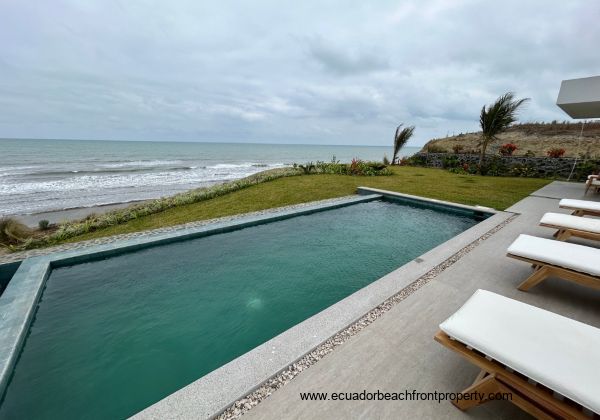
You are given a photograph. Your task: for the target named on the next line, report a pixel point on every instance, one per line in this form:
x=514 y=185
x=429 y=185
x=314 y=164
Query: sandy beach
x=59 y=216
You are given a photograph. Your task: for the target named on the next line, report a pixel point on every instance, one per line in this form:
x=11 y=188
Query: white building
x=580 y=98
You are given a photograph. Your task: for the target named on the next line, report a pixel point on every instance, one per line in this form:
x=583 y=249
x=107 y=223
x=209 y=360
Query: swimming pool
x=112 y=336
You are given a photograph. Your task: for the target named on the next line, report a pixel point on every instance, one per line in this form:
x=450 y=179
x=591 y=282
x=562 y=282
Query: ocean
x=46 y=175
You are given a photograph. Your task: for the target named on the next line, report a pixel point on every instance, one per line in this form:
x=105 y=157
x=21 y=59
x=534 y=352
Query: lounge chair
x=568 y=225
x=576 y=263
x=530 y=353
x=581 y=207
x=593 y=181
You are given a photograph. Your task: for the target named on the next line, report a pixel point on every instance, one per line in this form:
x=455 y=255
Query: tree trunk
x=484 y=144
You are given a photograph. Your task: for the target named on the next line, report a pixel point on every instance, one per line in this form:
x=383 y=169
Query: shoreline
x=78 y=213
x=74 y=213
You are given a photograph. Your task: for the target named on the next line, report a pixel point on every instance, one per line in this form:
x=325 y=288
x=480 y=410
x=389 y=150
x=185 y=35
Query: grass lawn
x=496 y=192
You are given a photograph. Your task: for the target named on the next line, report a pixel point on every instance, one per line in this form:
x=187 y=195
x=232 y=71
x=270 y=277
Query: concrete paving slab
x=397 y=352
x=560 y=189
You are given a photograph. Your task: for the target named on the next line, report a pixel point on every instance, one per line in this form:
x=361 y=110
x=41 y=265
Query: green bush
x=357 y=167
x=494 y=167
x=307 y=168
x=450 y=161
x=414 y=160
x=524 y=171
x=585 y=168
x=44 y=224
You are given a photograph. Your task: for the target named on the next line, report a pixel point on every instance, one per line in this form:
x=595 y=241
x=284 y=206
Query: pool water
x=112 y=337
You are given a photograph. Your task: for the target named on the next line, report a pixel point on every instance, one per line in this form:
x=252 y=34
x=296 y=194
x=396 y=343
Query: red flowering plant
x=507 y=149
x=556 y=152
x=355 y=166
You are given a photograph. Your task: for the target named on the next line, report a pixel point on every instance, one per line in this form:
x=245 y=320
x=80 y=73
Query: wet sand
x=70 y=214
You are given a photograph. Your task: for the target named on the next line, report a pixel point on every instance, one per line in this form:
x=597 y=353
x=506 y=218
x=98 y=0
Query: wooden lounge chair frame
x=543 y=270
x=589 y=183
x=535 y=399
x=564 y=233
x=581 y=212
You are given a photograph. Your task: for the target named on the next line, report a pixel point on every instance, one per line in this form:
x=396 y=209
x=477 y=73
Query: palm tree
x=496 y=118
x=401 y=138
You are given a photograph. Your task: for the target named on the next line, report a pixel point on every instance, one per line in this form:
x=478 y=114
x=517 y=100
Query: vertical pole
x=578 y=150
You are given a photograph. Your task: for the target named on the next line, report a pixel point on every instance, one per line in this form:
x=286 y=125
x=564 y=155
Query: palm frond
x=401 y=137
x=496 y=118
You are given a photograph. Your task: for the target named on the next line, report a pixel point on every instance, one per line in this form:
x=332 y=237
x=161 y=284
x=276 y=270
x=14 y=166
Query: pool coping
x=19 y=301
x=210 y=395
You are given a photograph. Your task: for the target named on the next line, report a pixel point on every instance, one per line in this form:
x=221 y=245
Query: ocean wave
x=58 y=188
x=142 y=163
x=55 y=181
x=246 y=165
x=115 y=170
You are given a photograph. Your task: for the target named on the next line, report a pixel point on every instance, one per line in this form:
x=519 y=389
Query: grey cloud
x=334 y=72
x=341 y=62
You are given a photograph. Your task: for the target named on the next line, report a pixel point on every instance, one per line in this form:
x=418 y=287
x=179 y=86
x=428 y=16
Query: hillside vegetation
x=535 y=137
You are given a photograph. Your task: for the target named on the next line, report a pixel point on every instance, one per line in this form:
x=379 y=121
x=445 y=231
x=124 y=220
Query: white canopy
x=580 y=98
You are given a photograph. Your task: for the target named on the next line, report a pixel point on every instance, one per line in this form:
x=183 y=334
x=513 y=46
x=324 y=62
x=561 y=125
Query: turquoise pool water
x=111 y=337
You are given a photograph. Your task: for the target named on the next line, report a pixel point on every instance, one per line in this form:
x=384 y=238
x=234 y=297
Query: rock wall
x=544 y=166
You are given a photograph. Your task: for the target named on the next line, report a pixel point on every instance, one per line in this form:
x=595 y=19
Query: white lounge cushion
x=568 y=221
x=580 y=258
x=555 y=351
x=579 y=204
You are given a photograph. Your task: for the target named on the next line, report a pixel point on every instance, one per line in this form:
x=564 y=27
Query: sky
x=326 y=72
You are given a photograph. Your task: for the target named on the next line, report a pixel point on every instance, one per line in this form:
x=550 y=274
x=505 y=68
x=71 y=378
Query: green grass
x=496 y=192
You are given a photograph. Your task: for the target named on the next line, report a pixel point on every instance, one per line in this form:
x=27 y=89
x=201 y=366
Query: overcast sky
x=330 y=72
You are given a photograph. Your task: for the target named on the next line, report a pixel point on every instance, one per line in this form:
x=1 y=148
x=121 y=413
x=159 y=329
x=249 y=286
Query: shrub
x=583 y=169
x=307 y=168
x=555 y=152
x=414 y=160
x=493 y=167
x=450 y=161
x=13 y=232
x=457 y=148
x=44 y=224
x=357 y=167
x=523 y=171
x=386 y=161
x=507 y=149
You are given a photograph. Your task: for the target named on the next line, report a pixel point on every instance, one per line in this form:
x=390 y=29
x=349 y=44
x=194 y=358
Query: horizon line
x=201 y=141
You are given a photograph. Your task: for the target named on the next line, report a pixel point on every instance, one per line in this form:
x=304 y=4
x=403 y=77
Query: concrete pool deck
x=397 y=352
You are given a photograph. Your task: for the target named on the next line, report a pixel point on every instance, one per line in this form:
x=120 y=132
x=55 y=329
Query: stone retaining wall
x=545 y=166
